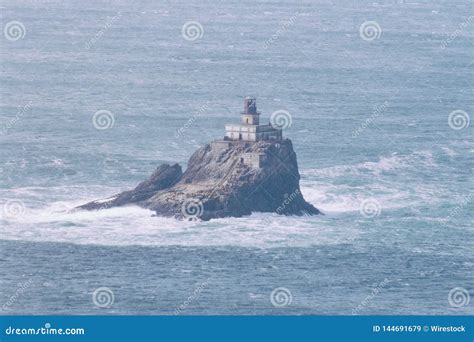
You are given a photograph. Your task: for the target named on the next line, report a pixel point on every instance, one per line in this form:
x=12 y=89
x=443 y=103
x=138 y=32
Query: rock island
x=252 y=169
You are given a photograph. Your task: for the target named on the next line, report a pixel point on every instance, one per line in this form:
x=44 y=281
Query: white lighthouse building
x=250 y=128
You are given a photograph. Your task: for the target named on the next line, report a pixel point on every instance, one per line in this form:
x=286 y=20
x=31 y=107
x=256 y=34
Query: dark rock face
x=220 y=181
x=164 y=177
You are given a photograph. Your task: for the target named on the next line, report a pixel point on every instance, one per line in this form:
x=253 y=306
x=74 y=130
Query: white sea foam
x=334 y=190
x=136 y=226
x=100 y=201
x=450 y=152
x=343 y=188
x=342 y=198
x=392 y=163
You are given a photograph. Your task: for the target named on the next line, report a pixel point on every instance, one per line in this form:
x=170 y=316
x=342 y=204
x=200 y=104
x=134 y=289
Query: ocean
x=94 y=95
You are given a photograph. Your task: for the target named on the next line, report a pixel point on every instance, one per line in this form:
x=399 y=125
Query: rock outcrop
x=223 y=179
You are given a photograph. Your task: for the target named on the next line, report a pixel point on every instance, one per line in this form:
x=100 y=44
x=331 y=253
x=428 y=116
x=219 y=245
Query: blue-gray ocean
x=379 y=122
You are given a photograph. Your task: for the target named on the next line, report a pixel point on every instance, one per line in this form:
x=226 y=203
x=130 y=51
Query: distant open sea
x=377 y=149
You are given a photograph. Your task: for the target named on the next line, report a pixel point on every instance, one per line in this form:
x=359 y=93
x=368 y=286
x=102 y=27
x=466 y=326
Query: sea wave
x=339 y=191
x=137 y=226
x=391 y=163
x=392 y=182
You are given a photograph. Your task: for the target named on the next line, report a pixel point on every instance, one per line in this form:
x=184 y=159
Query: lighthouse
x=250 y=128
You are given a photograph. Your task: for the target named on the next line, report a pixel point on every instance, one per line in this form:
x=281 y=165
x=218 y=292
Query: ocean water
x=370 y=124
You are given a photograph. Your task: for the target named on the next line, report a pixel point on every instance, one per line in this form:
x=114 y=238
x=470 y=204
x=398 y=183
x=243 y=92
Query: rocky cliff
x=222 y=179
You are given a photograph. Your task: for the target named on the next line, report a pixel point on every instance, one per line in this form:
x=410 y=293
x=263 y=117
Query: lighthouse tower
x=250 y=128
x=250 y=116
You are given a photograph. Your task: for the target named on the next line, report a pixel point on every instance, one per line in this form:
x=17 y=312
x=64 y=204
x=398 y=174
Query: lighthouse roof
x=250 y=106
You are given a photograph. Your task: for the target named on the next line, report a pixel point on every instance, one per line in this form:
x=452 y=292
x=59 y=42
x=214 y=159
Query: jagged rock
x=223 y=179
x=163 y=177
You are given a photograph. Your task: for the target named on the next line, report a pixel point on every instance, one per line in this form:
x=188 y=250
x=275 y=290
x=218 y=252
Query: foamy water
x=329 y=189
x=370 y=127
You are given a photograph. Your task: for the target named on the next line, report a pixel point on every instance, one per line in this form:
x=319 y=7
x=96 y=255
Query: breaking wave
x=392 y=182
